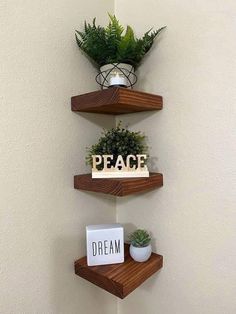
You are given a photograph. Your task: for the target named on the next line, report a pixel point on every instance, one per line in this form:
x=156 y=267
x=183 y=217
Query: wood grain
x=119 y=279
x=118 y=186
x=116 y=100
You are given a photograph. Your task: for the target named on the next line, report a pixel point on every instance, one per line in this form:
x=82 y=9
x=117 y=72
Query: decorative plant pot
x=140 y=254
x=116 y=74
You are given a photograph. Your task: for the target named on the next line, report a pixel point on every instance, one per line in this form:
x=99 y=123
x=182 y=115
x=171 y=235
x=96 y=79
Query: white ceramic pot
x=117 y=74
x=140 y=254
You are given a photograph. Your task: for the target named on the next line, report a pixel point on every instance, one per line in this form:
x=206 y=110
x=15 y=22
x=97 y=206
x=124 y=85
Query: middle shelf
x=118 y=186
x=114 y=101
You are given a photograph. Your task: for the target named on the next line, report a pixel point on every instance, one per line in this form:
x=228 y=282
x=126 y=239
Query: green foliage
x=104 y=45
x=118 y=141
x=140 y=238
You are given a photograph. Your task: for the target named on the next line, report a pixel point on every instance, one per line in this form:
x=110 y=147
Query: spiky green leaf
x=105 y=45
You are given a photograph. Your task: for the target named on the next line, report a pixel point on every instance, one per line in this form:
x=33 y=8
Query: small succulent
x=118 y=141
x=140 y=238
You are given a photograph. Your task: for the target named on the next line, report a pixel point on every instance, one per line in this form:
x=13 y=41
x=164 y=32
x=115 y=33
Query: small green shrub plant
x=118 y=141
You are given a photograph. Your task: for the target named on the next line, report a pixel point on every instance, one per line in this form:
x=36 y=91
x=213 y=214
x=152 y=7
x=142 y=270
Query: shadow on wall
x=104 y=121
x=134 y=118
x=130 y=227
x=70 y=293
x=138 y=300
x=108 y=121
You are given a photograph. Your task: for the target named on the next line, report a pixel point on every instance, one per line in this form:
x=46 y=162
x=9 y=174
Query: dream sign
x=105 y=244
x=131 y=166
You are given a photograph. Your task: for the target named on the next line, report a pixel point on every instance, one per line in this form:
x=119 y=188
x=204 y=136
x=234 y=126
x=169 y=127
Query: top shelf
x=116 y=100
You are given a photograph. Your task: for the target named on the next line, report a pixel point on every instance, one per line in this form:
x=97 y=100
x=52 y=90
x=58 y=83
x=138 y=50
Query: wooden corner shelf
x=119 y=279
x=118 y=186
x=116 y=100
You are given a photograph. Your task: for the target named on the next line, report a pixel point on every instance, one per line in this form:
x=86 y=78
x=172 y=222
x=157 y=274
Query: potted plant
x=118 y=141
x=117 y=54
x=140 y=248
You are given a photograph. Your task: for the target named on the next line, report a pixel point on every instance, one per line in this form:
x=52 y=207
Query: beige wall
x=193 y=216
x=42 y=218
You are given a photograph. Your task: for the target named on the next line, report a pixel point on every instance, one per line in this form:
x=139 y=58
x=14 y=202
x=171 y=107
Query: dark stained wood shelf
x=119 y=279
x=118 y=186
x=116 y=100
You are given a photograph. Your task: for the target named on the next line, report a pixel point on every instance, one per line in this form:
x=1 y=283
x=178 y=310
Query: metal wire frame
x=102 y=77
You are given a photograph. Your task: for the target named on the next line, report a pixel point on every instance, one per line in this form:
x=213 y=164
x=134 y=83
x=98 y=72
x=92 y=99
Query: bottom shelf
x=119 y=279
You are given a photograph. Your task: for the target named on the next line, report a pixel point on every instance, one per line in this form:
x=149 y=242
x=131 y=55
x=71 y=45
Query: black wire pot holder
x=116 y=74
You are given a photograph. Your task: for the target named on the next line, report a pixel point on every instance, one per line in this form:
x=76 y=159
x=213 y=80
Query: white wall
x=42 y=217
x=193 y=216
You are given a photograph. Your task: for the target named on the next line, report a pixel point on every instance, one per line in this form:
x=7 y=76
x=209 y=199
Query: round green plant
x=140 y=238
x=118 y=141
x=111 y=44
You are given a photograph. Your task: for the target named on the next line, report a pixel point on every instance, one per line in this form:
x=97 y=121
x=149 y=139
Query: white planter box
x=119 y=174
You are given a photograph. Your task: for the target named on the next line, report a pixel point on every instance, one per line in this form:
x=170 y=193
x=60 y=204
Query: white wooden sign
x=122 y=168
x=105 y=244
